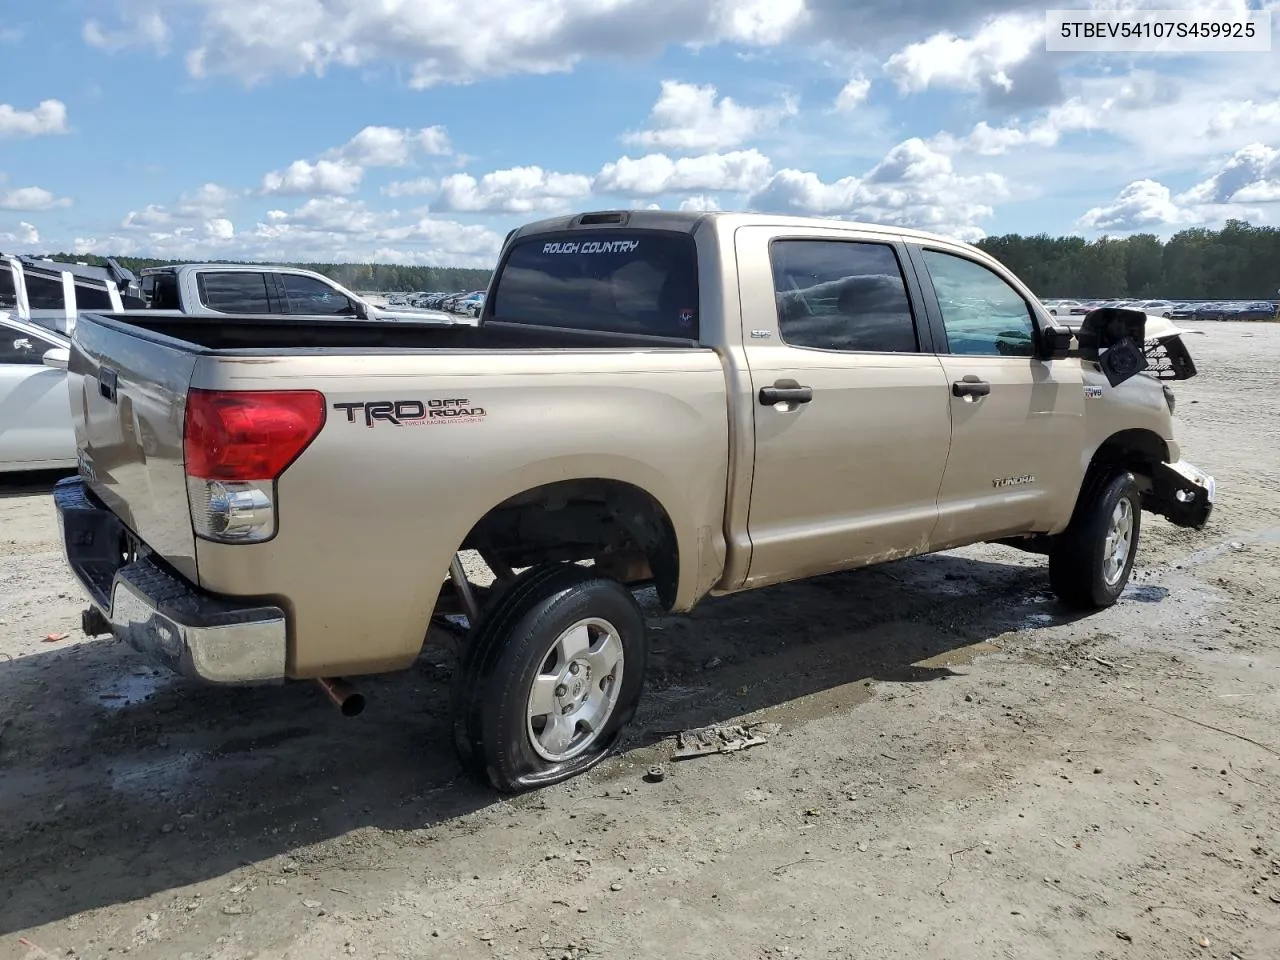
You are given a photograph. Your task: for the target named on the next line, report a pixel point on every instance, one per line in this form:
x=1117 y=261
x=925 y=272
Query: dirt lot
x=963 y=771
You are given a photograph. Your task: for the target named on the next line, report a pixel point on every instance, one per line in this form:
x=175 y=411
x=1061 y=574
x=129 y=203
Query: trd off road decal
x=413 y=413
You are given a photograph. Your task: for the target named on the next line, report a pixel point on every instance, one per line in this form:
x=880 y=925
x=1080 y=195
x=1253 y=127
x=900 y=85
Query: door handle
x=785 y=391
x=970 y=386
x=107 y=382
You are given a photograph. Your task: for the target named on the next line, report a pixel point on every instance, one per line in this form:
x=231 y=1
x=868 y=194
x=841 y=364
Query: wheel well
x=619 y=526
x=1136 y=450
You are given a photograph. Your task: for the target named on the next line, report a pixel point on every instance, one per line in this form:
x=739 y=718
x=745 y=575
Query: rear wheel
x=1090 y=562
x=553 y=673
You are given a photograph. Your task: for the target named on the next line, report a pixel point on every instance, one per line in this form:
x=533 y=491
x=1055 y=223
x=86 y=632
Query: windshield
x=613 y=281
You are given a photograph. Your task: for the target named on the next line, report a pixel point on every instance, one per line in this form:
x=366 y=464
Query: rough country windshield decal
x=612 y=281
x=595 y=246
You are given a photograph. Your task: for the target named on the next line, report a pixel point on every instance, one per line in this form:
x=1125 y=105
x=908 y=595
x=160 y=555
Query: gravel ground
x=963 y=770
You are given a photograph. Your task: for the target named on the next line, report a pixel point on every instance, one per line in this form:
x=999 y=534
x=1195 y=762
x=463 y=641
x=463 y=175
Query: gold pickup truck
x=701 y=403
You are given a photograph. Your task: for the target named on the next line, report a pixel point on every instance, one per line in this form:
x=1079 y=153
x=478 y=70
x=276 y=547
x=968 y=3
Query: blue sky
x=420 y=131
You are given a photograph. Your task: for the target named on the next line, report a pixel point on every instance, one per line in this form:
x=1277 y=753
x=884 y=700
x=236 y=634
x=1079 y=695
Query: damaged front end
x=1125 y=343
x=1182 y=493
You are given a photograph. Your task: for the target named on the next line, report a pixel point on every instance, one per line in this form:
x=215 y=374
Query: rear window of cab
x=612 y=281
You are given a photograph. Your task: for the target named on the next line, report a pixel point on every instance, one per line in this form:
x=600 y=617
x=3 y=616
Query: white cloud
x=740 y=171
x=31 y=198
x=1250 y=175
x=333 y=214
x=48 y=117
x=758 y=22
x=326 y=228
x=1046 y=131
x=1143 y=204
x=141 y=26
x=219 y=228
x=688 y=117
x=445 y=41
x=853 y=94
x=517 y=190
x=153 y=215
x=984 y=61
x=27 y=236
x=915 y=185
x=210 y=200
x=390 y=147
x=340 y=170
x=1244 y=113
x=322 y=178
x=699 y=203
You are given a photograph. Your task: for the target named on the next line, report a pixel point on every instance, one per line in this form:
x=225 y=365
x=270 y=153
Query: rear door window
x=610 y=281
x=44 y=292
x=160 y=290
x=92 y=298
x=842 y=295
x=8 y=293
x=238 y=291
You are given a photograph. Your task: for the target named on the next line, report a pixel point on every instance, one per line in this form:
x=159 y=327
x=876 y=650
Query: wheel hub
x=576 y=684
x=572 y=698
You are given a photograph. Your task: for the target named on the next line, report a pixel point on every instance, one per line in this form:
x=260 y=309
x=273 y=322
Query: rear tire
x=1090 y=562
x=553 y=673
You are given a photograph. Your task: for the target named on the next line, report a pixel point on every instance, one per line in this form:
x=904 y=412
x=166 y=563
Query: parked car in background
x=1211 y=311
x=1258 y=310
x=1064 y=308
x=1157 y=308
x=227 y=289
x=35 y=413
x=51 y=293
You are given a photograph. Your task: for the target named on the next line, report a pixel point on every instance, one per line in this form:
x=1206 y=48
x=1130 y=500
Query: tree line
x=1238 y=262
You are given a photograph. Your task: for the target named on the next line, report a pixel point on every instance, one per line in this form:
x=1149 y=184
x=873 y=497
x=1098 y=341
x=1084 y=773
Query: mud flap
x=1181 y=493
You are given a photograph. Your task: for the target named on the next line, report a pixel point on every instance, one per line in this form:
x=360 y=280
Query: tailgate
x=128 y=398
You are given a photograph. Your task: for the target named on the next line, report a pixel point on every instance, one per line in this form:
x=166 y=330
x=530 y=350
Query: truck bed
x=275 y=333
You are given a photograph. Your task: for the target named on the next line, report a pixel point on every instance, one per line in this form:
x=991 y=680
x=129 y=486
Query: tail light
x=236 y=443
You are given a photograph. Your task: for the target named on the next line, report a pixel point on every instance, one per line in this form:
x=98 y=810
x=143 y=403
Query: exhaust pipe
x=345 y=697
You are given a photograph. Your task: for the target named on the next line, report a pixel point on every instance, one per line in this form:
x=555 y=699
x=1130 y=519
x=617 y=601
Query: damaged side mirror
x=1112 y=337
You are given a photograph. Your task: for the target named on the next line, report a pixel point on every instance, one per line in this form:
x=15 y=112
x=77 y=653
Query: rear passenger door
x=1017 y=421
x=851 y=410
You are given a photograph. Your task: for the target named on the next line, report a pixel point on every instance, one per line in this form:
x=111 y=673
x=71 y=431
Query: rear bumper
x=159 y=614
x=1182 y=493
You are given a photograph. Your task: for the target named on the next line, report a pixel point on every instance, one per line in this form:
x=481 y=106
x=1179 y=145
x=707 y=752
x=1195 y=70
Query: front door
x=852 y=420
x=35 y=409
x=1017 y=421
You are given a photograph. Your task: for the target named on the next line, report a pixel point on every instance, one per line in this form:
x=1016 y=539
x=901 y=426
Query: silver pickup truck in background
x=700 y=403
x=228 y=289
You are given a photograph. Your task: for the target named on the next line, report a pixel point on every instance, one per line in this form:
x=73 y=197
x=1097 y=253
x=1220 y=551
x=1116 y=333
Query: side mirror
x=361 y=309
x=1055 y=343
x=57 y=357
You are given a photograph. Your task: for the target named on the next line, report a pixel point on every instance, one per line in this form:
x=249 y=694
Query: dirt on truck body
x=702 y=404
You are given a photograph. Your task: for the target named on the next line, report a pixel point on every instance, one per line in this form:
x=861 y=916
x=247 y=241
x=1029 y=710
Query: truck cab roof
x=689 y=221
